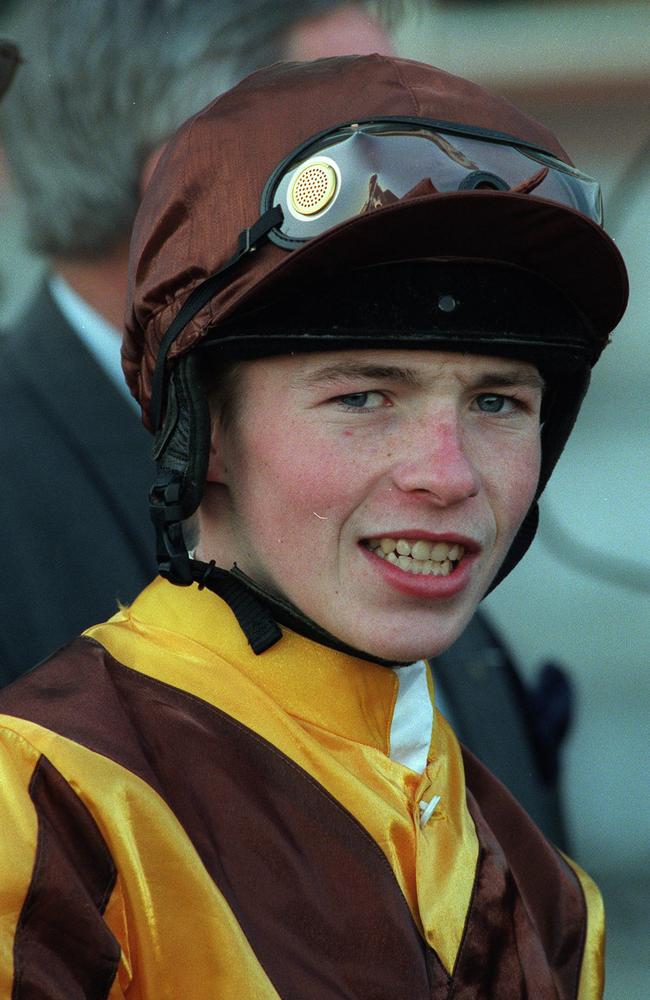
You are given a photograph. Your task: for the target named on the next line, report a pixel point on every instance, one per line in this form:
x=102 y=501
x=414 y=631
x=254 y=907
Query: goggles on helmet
x=356 y=168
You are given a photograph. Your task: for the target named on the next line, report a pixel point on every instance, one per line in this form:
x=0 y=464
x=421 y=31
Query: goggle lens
x=360 y=168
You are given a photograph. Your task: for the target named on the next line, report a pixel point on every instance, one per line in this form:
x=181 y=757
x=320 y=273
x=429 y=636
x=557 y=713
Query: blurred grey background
x=582 y=595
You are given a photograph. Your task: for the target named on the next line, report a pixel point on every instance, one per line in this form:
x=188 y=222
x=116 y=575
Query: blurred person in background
x=82 y=134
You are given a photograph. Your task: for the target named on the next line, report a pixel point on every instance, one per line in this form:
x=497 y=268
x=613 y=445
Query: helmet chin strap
x=260 y=614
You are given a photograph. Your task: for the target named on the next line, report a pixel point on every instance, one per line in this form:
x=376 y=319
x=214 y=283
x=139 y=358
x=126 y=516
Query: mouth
x=418 y=556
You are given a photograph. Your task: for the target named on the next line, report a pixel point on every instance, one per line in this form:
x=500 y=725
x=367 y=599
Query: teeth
x=421 y=550
x=422 y=557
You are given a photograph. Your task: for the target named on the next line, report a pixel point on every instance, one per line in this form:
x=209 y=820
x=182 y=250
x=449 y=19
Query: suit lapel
x=66 y=382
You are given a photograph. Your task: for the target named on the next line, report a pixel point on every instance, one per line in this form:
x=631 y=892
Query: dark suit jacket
x=74 y=530
x=75 y=539
x=516 y=729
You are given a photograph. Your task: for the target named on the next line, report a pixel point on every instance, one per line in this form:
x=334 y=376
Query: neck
x=101 y=283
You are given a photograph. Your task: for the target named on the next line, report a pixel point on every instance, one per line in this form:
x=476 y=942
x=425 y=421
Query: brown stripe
x=525 y=930
x=74 y=693
x=63 y=950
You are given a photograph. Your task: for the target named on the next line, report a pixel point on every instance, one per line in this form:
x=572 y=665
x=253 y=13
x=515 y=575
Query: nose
x=434 y=462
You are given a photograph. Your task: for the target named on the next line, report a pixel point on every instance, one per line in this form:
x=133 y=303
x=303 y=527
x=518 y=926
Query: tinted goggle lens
x=359 y=168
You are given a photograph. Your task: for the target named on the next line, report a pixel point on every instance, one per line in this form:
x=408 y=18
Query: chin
x=402 y=629
x=408 y=649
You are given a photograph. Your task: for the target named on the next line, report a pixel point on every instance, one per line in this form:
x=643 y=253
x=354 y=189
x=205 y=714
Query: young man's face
x=378 y=491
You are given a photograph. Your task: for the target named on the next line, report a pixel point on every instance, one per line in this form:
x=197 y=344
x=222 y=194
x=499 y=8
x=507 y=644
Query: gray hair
x=107 y=81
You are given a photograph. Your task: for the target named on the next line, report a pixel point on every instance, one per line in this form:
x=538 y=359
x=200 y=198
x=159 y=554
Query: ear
x=217 y=468
x=150 y=165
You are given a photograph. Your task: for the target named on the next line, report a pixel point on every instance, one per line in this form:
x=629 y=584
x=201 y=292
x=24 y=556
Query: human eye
x=494 y=402
x=369 y=400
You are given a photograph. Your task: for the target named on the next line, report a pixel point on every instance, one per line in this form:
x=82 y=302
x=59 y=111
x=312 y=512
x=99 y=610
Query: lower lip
x=430 y=587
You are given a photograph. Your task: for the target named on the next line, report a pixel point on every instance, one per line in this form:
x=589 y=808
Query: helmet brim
x=558 y=243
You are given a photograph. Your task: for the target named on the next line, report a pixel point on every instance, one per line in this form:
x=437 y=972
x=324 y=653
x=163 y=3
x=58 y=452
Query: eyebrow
x=510 y=380
x=332 y=373
x=356 y=369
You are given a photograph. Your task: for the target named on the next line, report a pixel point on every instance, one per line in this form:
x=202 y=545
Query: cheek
x=509 y=465
x=517 y=483
x=288 y=475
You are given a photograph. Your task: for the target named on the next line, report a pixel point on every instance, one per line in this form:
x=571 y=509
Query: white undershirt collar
x=98 y=336
x=412 y=722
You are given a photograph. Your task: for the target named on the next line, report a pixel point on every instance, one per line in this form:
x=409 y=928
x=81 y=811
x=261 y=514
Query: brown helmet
x=351 y=178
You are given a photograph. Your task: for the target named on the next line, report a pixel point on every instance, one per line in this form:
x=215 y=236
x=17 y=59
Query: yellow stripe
x=592 y=973
x=18 y=841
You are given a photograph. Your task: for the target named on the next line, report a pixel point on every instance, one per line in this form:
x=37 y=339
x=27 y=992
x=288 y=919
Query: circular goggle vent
x=313 y=188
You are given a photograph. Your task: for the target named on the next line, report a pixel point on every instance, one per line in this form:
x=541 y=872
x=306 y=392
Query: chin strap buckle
x=166 y=514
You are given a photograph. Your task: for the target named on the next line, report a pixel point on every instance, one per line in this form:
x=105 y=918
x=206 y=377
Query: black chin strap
x=258 y=612
x=254 y=617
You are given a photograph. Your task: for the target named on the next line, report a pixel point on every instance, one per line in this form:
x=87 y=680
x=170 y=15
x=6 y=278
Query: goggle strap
x=198 y=298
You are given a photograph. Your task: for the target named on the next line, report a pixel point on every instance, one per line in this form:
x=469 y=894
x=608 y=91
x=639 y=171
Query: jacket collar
x=338 y=692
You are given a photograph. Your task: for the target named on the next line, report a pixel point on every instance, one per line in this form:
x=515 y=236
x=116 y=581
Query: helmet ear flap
x=559 y=411
x=183 y=443
x=181 y=452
